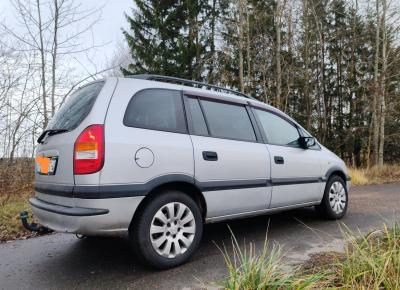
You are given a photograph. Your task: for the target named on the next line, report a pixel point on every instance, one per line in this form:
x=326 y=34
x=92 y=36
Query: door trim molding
x=259 y=212
x=295 y=180
x=142 y=189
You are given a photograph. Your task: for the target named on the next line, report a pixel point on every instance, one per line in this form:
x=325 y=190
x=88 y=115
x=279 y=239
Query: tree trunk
x=42 y=66
x=54 y=57
x=241 y=44
x=278 y=53
x=249 y=79
x=212 y=45
x=382 y=104
x=375 y=114
x=290 y=69
x=306 y=57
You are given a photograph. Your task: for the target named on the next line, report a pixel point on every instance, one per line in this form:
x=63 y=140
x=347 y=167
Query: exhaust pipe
x=33 y=227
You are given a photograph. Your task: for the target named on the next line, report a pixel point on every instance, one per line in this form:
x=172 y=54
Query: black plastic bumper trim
x=295 y=180
x=54 y=189
x=232 y=184
x=64 y=210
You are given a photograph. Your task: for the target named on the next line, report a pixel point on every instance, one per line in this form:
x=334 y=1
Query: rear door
x=231 y=166
x=295 y=172
x=54 y=155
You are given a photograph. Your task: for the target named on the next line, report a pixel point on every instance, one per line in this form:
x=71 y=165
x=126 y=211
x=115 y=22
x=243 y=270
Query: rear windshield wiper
x=50 y=132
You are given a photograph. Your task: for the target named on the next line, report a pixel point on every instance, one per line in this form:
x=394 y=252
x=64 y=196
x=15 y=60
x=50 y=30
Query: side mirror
x=306 y=142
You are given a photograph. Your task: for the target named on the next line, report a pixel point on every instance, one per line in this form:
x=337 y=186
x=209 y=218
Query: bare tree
x=54 y=29
x=375 y=112
x=241 y=25
x=37 y=74
x=278 y=24
x=382 y=104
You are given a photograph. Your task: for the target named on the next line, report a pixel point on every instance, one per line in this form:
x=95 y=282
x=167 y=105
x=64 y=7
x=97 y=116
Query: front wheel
x=335 y=201
x=168 y=230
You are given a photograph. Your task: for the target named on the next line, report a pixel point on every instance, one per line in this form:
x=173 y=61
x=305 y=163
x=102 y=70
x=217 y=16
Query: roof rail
x=186 y=82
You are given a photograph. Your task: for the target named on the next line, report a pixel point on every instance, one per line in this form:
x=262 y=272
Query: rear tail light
x=89 y=150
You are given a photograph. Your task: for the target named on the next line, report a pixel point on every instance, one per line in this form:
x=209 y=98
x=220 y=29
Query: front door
x=295 y=172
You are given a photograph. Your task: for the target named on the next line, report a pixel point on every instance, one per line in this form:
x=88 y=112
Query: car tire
x=335 y=200
x=168 y=230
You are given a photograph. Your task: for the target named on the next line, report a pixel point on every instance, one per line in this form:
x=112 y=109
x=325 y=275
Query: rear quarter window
x=76 y=108
x=156 y=109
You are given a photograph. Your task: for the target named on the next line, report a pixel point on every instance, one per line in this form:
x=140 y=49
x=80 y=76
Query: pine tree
x=168 y=38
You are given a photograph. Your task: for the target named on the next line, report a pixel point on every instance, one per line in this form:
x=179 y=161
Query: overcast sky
x=106 y=31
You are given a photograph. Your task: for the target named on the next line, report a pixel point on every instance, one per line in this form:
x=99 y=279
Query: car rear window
x=76 y=108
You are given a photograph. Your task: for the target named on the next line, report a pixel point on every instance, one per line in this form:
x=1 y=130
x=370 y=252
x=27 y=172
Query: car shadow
x=99 y=255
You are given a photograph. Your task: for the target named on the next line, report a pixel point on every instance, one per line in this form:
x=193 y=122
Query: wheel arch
x=336 y=170
x=185 y=187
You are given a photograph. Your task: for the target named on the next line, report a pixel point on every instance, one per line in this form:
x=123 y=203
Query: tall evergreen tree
x=168 y=37
x=327 y=59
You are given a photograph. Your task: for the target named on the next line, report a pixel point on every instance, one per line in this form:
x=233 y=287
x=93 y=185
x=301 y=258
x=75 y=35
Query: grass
x=249 y=270
x=16 y=186
x=370 y=262
x=10 y=224
x=375 y=175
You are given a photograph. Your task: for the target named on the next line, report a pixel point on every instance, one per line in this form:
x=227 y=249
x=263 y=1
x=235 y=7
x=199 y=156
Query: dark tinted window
x=156 y=109
x=76 y=108
x=277 y=130
x=198 y=122
x=228 y=121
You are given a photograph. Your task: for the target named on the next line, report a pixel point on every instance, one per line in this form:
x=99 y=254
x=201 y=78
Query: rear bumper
x=91 y=217
x=66 y=210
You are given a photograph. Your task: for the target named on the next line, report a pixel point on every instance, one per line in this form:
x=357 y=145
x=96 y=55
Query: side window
x=198 y=122
x=228 y=121
x=277 y=130
x=156 y=109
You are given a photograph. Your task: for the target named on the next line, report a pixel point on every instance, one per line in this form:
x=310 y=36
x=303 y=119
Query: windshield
x=76 y=108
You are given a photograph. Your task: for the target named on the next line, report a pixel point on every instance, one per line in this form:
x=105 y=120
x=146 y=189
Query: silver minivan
x=157 y=157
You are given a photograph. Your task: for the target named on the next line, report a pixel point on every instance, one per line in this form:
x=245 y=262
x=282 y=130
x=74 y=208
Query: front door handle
x=279 y=160
x=210 y=155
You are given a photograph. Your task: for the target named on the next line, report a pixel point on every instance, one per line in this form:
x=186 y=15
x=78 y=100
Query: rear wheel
x=335 y=201
x=168 y=230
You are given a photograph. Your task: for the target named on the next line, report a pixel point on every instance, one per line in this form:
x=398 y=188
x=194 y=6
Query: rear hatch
x=54 y=153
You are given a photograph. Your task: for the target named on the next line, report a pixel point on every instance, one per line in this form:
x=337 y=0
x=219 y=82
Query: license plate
x=46 y=165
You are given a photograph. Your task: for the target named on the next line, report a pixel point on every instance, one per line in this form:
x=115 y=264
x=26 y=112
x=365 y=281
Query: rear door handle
x=210 y=155
x=279 y=160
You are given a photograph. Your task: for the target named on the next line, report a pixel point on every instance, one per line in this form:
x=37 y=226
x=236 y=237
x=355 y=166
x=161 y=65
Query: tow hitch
x=33 y=227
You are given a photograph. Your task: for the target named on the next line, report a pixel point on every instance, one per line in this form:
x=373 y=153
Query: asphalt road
x=61 y=261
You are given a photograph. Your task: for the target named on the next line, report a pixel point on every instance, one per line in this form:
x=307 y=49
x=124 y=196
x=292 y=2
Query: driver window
x=277 y=130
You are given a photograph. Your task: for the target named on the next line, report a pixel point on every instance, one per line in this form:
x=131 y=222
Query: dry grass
x=10 y=224
x=372 y=262
x=16 y=186
x=375 y=174
x=16 y=177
